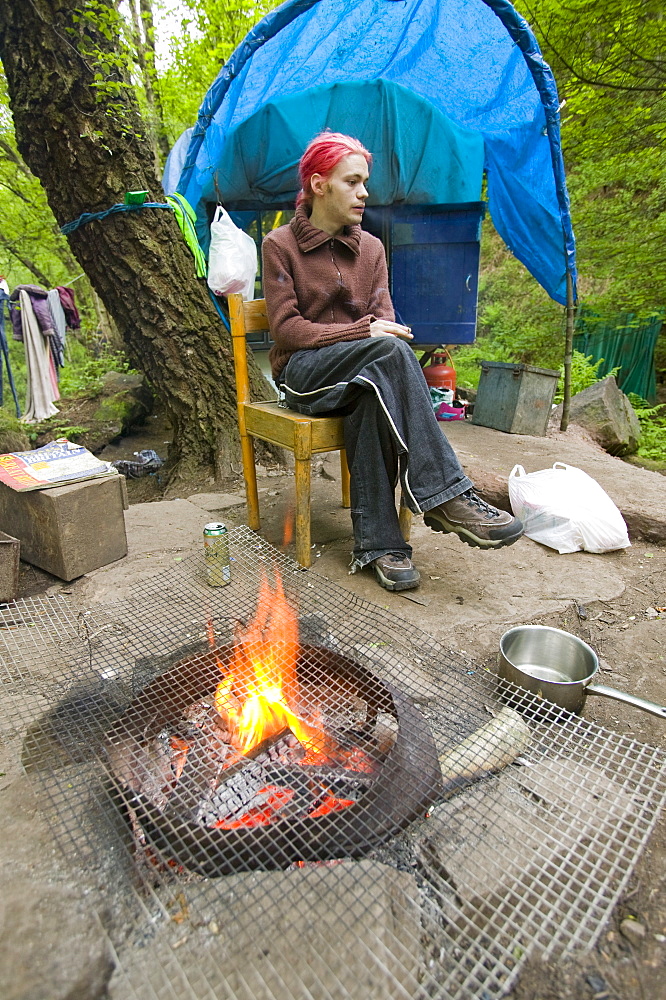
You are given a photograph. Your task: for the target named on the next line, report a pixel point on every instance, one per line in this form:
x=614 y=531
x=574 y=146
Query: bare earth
x=467 y=599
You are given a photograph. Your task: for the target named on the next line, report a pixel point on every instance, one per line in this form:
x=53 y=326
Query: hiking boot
x=475 y=521
x=395 y=571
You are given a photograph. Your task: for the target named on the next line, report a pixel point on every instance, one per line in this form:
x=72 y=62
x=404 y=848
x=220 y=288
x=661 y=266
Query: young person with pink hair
x=338 y=349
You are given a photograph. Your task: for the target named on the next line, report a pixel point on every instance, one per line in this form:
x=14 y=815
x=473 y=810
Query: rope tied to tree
x=87 y=217
x=192 y=241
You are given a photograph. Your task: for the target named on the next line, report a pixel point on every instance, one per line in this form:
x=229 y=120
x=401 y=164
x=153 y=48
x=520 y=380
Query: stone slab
x=165 y=525
x=216 y=501
x=10 y=549
x=608 y=416
x=488 y=457
x=346 y=931
x=39 y=922
x=68 y=530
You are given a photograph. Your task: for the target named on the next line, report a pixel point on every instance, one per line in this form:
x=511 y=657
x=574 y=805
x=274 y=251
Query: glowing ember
x=179 y=748
x=258 y=694
x=263 y=814
x=330 y=804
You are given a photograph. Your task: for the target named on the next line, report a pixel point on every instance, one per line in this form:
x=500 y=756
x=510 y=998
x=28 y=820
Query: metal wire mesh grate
x=530 y=833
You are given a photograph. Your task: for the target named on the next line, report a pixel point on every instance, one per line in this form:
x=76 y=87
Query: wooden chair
x=303 y=435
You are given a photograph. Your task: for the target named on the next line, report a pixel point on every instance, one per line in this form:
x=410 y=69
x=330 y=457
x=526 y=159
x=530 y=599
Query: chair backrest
x=244 y=317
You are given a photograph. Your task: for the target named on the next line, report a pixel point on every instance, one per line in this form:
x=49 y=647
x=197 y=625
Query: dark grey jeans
x=390 y=431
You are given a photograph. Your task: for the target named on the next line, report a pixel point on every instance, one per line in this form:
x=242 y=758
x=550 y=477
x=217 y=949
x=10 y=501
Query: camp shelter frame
x=437 y=50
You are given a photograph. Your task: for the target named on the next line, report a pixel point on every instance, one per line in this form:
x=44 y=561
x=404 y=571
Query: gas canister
x=439 y=372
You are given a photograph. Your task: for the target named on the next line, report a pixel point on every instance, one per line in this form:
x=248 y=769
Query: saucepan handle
x=628 y=699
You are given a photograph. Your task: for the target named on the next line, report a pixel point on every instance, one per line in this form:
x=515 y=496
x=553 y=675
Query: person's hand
x=386 y=328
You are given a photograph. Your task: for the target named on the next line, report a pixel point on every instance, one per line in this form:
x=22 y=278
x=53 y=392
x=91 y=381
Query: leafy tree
x=68 y=70
x=143 y=39
x=209 y=32
x=608 y=59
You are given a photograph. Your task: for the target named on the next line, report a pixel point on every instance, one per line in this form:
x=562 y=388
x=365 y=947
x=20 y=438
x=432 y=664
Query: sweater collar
x=309 y=238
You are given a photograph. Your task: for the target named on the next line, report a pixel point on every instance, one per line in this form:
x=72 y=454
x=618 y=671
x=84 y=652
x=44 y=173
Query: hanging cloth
x=186 y=218
x=68 y=303
x=4 y=347
x=59 y=325
x=40 y=393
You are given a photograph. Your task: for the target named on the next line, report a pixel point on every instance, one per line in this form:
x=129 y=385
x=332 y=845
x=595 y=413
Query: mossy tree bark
x=79 y=131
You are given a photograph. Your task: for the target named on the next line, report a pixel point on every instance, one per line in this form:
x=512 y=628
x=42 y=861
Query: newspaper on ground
x=55 y=464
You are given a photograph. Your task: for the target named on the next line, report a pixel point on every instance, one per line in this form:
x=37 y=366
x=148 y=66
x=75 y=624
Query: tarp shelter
x=626 y=342
x=438 y=90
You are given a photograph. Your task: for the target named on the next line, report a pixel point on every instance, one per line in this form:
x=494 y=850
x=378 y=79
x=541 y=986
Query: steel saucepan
x=558 y=666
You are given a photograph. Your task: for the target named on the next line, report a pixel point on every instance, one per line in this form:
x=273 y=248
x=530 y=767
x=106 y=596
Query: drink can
x=216 y=554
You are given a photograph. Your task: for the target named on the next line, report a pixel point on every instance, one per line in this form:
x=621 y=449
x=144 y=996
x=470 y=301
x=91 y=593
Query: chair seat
x=275 y=423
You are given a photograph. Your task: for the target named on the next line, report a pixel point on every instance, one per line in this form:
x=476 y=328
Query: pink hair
x=322 y=156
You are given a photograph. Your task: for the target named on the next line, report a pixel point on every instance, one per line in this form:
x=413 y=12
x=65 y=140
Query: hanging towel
x=40 y=394
x=59 y=326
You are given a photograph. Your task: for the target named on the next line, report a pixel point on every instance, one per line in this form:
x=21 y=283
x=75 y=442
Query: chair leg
x=250 y=477
x=303 y=458
x=405 y=519
x=344 y=478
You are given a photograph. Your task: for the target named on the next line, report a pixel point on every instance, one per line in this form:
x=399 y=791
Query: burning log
x=267 y=741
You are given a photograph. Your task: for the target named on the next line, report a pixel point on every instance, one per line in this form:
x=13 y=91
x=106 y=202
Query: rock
x=216 y=501
x=349 y=931
x=633 y=930
x=596 y=983
x=605 y=412
x=529 y=833
x=39 y=924
x=12 y=434
x=123 y=402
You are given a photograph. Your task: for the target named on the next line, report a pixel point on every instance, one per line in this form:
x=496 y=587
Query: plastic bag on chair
x=566 y=509
x=232 y=258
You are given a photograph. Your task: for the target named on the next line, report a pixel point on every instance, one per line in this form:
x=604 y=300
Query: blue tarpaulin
x=434 y=88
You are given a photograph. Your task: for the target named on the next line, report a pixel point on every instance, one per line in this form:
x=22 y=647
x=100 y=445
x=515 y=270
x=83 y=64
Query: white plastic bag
x=566 y=509
x=232 y=258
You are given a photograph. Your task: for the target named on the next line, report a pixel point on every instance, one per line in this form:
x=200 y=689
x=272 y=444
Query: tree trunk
x=79 y=131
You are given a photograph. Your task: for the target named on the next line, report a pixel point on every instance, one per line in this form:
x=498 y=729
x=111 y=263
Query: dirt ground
x=467 y=600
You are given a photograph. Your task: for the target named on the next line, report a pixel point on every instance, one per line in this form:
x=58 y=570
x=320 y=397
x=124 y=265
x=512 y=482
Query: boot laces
x=476 y=501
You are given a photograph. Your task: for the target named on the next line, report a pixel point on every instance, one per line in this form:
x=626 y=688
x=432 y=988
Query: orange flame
x=288 y=530
x=258 y=695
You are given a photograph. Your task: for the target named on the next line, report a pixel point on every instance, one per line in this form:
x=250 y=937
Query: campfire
x=254 y=753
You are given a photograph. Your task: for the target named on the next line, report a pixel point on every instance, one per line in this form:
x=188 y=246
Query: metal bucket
x=558 y=666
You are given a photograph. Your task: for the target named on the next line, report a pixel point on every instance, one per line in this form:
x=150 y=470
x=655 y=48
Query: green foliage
x=584 y=373
x=209 y=32
x=517 y=321
x=653 y=428
x=85 y=378
x=58 y=430
x=608 y=60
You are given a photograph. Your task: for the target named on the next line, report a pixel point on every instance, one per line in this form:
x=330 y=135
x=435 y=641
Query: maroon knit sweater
x=321 y=289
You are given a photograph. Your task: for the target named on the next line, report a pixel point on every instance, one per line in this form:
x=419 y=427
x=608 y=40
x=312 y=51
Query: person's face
x=342 y=194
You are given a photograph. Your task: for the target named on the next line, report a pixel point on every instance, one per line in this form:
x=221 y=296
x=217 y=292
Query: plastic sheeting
x=431 y=161
x=174 y=162
x=476 y=62
x=627 y=343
